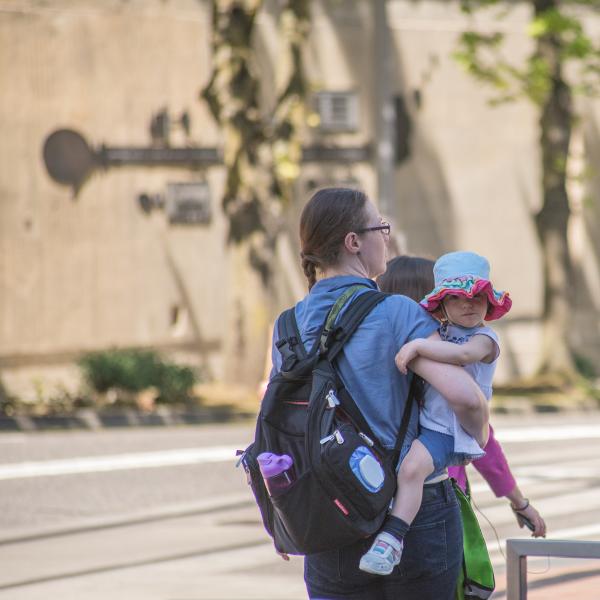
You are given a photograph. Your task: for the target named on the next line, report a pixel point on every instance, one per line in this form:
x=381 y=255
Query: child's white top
x=436 y=414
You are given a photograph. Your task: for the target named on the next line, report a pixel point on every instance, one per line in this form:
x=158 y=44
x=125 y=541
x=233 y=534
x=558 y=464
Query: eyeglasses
x=385 y=228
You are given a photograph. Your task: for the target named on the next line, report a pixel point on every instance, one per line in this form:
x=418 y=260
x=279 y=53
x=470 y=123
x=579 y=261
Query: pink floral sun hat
x=466 y=274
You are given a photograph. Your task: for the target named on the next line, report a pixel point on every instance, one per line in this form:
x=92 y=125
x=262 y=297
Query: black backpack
x=307 y=414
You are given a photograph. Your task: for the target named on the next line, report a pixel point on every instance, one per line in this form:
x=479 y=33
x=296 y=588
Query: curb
x=163 y=416
x=90 y=419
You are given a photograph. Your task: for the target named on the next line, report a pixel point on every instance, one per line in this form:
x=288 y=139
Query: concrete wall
x=94 y=271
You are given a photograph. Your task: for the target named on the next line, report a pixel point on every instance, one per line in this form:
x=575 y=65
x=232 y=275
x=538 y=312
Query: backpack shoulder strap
x=354 y=412
x=289 y=342
x=360 y=307
x=330 y=328
x=410 y=400
x=348 y=324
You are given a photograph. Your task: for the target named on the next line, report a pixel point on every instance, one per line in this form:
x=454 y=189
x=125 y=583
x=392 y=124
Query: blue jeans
x=428 y=570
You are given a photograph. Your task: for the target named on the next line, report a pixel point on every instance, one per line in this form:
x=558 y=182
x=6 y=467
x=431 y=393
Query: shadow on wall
x=592 y=198
x=423 y=208
x=422 y=211
x=587 y=270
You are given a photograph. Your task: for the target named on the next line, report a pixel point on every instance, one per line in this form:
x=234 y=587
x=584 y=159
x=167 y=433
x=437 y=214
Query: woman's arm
x=478 y=348
x=495 y=470
x=461 y=392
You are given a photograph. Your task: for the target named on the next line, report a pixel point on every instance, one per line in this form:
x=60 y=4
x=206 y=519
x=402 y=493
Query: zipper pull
x=332 y=399
x=339 y=438
x=327 y=439
x=367 y=439
x=241 y=455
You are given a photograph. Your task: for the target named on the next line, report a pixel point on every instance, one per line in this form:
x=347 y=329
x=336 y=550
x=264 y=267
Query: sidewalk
x=572 y=583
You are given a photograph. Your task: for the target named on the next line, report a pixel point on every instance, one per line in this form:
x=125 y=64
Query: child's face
x=464 y=311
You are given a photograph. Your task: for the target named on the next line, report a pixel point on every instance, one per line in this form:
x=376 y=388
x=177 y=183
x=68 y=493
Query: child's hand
x=406 y=354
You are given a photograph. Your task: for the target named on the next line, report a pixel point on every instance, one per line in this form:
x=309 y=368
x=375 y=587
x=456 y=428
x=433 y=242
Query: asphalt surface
x=162 y=514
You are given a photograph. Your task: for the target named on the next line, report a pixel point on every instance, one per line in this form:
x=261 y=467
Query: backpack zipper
x=332 y=399
x=337 y=435
x=367 y=439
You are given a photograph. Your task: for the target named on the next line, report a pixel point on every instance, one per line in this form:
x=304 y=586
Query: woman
x=412 y=276
x=343 y=243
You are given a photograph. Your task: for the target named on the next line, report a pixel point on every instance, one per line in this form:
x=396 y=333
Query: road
x=162 y=514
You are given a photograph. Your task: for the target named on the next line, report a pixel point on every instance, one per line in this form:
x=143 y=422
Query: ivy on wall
x=262 y=150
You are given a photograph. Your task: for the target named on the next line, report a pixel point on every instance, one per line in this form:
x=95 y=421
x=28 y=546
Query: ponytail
x=326 y=219
x=309 y=266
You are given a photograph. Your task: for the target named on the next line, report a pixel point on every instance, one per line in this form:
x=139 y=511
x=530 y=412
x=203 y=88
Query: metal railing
x=517 y=552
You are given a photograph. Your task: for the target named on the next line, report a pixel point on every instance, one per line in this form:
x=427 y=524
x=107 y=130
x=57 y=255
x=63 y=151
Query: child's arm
x=478 y=348
x=462 y=393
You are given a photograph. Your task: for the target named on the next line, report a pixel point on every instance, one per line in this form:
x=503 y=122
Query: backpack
x=343 y=479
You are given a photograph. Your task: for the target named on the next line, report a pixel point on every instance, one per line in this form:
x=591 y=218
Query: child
x=463 y=297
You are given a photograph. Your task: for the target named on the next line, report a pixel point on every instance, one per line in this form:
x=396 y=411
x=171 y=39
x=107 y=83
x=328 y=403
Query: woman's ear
x=352 y=243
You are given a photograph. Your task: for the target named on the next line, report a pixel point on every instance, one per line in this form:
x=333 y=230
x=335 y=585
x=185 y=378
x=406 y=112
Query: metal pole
x=517 y=552
x=516 y=573
x=385 y=117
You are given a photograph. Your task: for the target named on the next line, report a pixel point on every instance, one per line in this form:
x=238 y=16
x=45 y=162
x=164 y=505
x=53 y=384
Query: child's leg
x=386 y=550
x=415 y=468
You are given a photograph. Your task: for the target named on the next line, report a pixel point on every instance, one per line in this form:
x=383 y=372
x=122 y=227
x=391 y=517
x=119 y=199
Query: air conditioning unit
x=338 y=111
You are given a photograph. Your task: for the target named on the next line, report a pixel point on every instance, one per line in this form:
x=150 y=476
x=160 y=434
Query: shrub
x=585 y=366
x=136 y=370
x=175 y=383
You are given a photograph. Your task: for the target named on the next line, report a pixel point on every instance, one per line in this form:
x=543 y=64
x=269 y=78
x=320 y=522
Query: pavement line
x=551 y=473
x=540 y=474
x=131 y=564
x=213 y=454
x=572 y=533
x=213 y=504
x=13 y=439
x=117 y=462
x=539 y=434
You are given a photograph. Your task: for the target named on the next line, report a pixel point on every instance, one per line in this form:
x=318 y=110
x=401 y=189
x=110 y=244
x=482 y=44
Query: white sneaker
x=383 y=556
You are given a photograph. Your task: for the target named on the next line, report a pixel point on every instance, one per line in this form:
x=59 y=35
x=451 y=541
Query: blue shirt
x=366 y=364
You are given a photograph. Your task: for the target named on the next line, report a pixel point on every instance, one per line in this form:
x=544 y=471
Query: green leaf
x=553 y=22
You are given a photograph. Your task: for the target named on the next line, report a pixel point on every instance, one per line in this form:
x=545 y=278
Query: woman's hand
x=406 y=354
x=283 y=555
x=534 y=517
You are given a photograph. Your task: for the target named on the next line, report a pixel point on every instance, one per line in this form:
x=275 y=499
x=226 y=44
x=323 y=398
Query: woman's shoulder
x=398 y=302
x=407 y=319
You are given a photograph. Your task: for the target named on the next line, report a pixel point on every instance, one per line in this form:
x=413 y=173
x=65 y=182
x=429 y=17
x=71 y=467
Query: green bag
x=476 y=579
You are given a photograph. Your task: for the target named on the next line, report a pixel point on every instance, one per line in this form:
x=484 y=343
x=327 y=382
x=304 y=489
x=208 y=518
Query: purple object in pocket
x=277 y=471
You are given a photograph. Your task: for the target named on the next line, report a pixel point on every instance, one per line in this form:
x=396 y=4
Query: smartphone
x=523 y=520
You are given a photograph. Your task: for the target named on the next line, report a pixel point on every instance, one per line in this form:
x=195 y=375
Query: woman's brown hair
x=410 y=276
x=326 y=219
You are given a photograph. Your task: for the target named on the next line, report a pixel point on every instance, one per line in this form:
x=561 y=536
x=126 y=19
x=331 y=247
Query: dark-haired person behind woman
x=412 y=276
x=343 y=242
